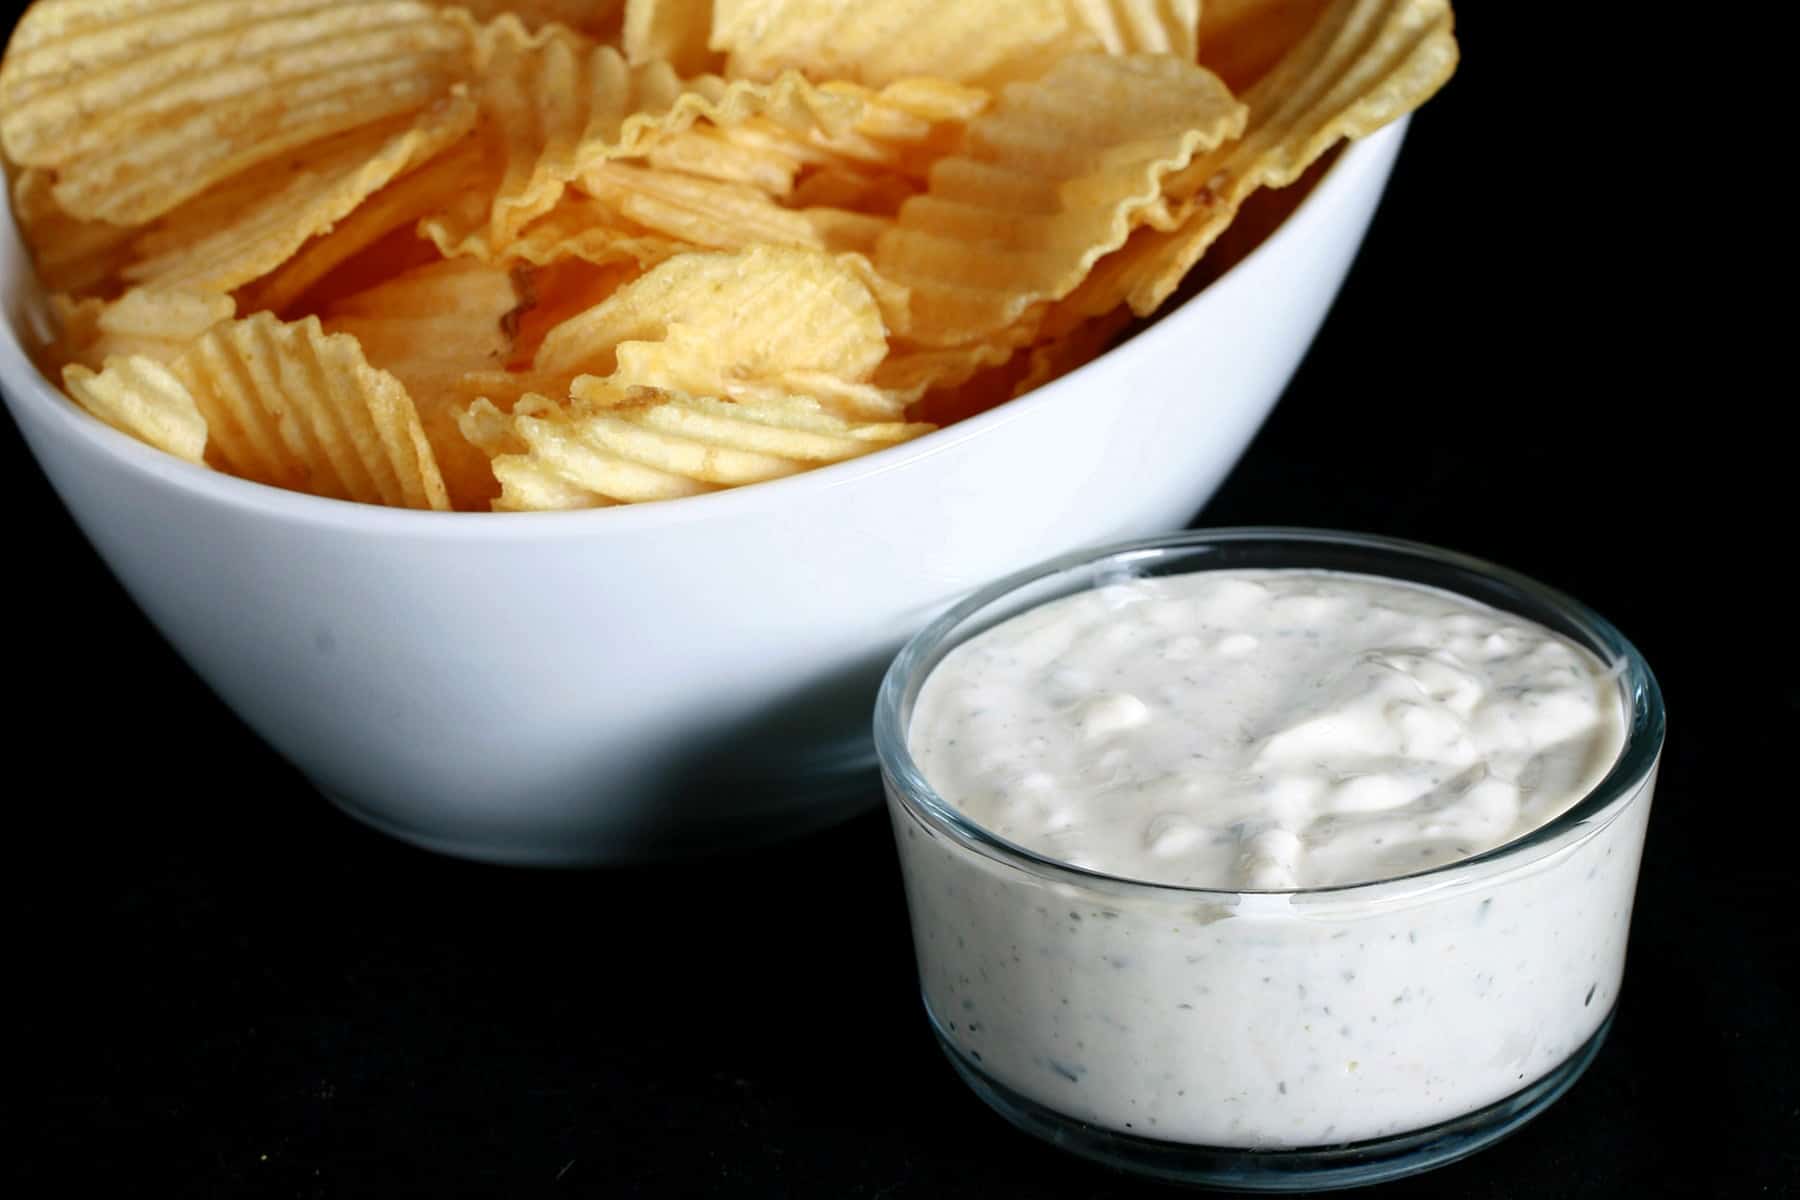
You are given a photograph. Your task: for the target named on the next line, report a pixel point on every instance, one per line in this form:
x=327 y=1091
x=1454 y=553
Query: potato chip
x=1364 y=64
x=140 y=324
x=556 y=105
x=504 y=390
x=749 y=325
x=1241 y=39
x=550 y=295
x=1050 y=360
x=292 y=406
x=744 y=154
x=1141 y=26
x=402 y=203
x=985 y=389
x=854 y=190
x=911 y=371
x=867 y=167
x=611 y=445
x=1025 y=371
x=597 y=18
x=1052 y=178
x=541 y=257
x=904 y=128
x=450 y=330
x=489 y=429
x=57 y=39
x=875 y=42
x=70 y=255
x=142 y=397
x=708 y=213
x=148 y=104
x=674 y=31
x=429 y=328
x=196 y=250
x=580 y=227
x=452 y=316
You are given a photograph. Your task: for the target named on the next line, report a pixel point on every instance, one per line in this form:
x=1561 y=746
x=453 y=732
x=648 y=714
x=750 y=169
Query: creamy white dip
x=1255 y=732
x=1265 y=730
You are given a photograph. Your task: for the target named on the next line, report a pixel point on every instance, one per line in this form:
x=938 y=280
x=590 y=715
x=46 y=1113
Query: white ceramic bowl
x=689 y=675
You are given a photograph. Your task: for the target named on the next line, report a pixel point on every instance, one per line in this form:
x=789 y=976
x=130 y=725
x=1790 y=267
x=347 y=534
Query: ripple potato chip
x=1363 y=64
x=144 y=324
x=540 y=254
x=198 y=250
x=556 y=105
x=1051 y=178
x=596 y=18
x=672 y=31
x=1241 y=39
x=612 y=445
x=701 y=212
x=142 y=397
x=1141 y=26
x=748 y=325
x=876 y=42
x=293 y=406
x=71 y=255
x=580 y=227
x=418 y=192
x=140 y=106
x=431 y=328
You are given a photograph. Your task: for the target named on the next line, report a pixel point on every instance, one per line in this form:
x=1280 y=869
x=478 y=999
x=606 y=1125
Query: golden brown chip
x=291 y=406
x=1241 y=39
x=429 y=328
x=556 y=105
x=402 y=203
x=708 y=213
x=580 y=227
x=71 y=255
x=910 y=371
x=140 y=106
x=611 y=445
x=902 y=128
x=555 y=263
x=1026 y=371
x=503 y=390
x=879 y=41
x=674 y=31
x=142 y=397
x=140 y=324
x=596 y=18
x=861 y=192
x=202 y=248
x=985 y=389
x=554 y=293
x=748 y=325
x=746 y=154
x=1363 y=64
x=1052 y=178
x=1141 y=26
x=489 y=429
x=1050 y=360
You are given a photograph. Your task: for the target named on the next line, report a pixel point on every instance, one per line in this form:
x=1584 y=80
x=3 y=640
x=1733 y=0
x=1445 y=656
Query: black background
x=225 y=986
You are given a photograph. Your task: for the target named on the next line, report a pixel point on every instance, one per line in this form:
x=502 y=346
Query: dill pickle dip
x=1295 y=757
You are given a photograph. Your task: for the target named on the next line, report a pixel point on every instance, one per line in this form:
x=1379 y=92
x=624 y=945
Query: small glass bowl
x=1272 y=1041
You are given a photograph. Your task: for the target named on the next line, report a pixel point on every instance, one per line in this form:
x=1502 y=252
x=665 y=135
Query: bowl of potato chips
x=542 y=421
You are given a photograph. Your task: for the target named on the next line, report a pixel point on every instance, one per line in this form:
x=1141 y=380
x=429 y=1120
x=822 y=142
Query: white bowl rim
x=129 y=453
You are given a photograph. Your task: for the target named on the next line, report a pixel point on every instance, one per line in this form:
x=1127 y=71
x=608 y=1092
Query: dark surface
x=223 y=985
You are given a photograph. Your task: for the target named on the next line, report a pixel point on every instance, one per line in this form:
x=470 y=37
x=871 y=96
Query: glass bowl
x=1273 y=1041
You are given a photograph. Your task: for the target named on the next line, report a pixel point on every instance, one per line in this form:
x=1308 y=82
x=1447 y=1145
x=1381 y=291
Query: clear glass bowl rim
x=1631 y=771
